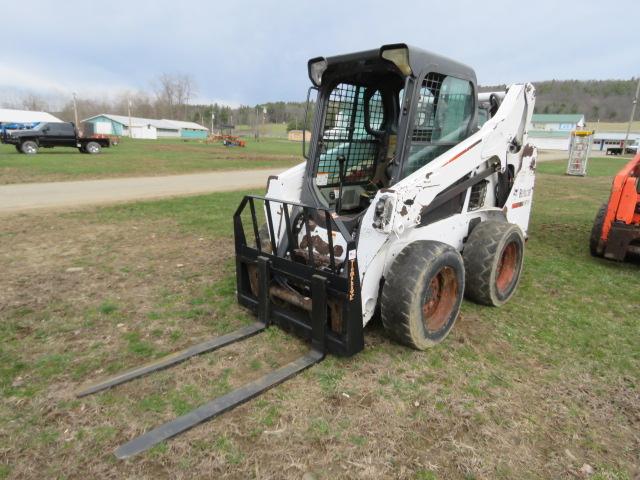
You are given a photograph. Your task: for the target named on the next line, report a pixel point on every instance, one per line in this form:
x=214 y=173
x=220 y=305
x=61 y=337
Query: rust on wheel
x=507 y=268
x=440 y=299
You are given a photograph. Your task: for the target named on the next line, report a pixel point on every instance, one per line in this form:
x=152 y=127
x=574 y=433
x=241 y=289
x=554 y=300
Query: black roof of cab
x=401 y=58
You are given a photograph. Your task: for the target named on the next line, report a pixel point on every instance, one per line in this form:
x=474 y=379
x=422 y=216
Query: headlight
x=317 y=66
x=383 y=213
x=398 y=55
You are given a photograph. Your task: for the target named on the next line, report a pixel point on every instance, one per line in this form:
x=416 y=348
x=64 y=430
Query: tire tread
x=479 y=257
x=407 y=269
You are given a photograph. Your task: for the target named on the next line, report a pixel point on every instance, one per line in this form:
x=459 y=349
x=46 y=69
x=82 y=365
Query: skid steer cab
x=403 y=205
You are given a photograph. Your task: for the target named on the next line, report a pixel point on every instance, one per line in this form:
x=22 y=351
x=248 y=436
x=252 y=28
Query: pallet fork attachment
x=239 y=396
x=173 y=359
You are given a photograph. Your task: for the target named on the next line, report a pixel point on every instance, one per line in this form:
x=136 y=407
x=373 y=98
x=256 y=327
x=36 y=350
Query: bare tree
x=33 y=102
x=173 y=93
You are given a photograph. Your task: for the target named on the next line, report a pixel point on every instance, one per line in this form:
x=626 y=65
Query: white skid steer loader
x=403 y=205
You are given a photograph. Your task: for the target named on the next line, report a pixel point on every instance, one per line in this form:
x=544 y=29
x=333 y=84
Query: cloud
x=249 y=52
x=34 y=80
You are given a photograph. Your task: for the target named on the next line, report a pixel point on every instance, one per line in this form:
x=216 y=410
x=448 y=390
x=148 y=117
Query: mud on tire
x=422 y=293
x=596 y=231
x=493 y=257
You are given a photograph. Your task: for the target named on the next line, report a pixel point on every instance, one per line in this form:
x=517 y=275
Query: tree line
x=171 y=96
x=290 y=113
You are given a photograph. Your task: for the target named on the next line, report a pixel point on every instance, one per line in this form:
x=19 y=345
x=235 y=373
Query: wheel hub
x=440 y=299
x=507 y=267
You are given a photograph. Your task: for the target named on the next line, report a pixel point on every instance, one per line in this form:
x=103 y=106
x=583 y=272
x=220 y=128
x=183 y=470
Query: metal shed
x=163 y=128
x=17 y=119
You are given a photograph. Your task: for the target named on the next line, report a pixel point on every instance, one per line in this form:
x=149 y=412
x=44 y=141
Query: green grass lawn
x=596 y=167
x=144 y=158
x=278 y=130
x=534 y=389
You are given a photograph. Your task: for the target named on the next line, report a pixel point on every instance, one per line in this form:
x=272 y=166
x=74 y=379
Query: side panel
x=189 y=133
x=520 y=200
x=616 y=194
x=285 y=186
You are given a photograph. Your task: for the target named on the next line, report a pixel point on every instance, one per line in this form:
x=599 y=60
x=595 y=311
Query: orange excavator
x=616 y=229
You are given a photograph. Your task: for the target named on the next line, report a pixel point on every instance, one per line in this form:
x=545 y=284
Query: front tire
x=29 y=147
x=493 y=258
x=596 y=231
x=422 y=293
x=18 y=148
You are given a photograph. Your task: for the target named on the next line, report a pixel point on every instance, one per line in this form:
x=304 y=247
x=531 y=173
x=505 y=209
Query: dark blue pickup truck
x=49 y=135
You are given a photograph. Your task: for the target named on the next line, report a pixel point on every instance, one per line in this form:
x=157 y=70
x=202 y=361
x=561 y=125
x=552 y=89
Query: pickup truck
x=49 y=135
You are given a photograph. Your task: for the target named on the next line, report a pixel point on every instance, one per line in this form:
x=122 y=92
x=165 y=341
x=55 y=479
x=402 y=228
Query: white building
x=553 y=131
x=150 y=128
x=604 y=140
x=10 y=116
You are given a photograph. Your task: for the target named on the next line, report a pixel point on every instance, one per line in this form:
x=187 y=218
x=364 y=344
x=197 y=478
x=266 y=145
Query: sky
x=249 y=52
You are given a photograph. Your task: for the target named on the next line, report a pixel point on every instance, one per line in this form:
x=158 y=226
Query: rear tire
x=93 y=148
x=493 y=257
x=422 y=293
x=596 y=231
x=29 y=147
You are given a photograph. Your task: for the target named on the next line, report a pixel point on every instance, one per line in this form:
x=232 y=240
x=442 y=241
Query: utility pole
x=75 y=108
x=264 y=116
x=130 y=124
x=257 y=123
x=633 y=114
x=212 y=117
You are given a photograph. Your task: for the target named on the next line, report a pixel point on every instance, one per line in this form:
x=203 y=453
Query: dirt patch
x=221 y=153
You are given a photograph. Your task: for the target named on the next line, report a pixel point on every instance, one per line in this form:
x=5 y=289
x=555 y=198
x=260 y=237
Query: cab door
x=58 y=134
x=66 y=134
x=443 y=117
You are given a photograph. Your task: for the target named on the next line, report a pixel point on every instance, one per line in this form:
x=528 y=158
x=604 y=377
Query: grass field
x=144 y=158
x=277 y=130
x=535 y=389
x=619 y=127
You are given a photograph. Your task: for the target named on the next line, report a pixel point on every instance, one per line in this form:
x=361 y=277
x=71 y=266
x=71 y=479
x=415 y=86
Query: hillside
x=606 y=100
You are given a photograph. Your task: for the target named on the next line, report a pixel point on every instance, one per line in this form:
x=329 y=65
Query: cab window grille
x=425 y=120
x=345 y=134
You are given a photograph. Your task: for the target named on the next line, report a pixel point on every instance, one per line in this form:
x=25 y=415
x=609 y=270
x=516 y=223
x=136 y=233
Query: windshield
x=346 y=138
x=357 y=139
